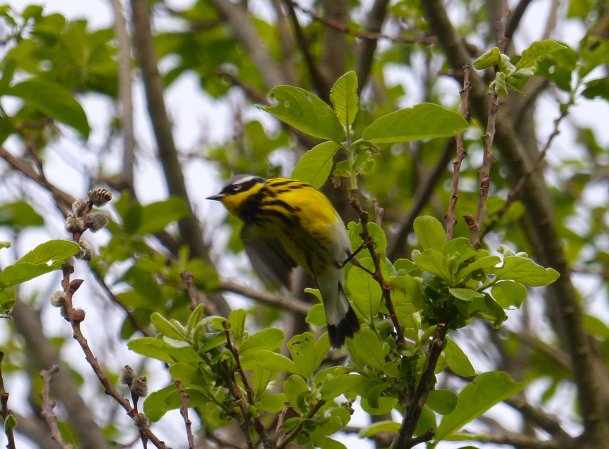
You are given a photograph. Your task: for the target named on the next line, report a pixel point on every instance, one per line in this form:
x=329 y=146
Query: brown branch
x=48 y=405
x=125 y=77
x=316 y=77
x=364 y=53
x=184 y=412
x=367 y=35
x=189 y=227
x=5 y=412
x=404 y=439
x=488 y=156
x=451 y=219
x=547 y=422
x=377 y=275
x=518 y=441
x=246 y=34
x=75 y=317
x=274 y=300
x=519 y=186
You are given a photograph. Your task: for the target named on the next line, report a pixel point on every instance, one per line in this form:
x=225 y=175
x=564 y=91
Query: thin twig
x=270 y=299
x=48 y=405
x=184 y=412
x=451 y=219
x=488 y=156
x=5 y=412
x=427 y=40
x=404 y=439
x=294 y=433
x=125 y=75
x=354 y=200
x=519 y=186
x=249 y=391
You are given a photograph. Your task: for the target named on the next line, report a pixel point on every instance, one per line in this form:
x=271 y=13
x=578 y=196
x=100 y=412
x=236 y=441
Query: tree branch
x=270 y=299
x=48 y=405
x=5 y=413
x=364 y=53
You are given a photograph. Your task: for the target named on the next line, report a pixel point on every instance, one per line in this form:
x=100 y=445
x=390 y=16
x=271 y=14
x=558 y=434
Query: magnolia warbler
x=288 y=222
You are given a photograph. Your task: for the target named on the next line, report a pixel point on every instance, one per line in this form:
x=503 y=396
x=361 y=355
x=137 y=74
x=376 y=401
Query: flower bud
x=86 y=250
x=127 y=375
x=58 y=299
x=141 y=421
x=78 y=315
x=74 y=224
x=97 y=220
x=139 y=387
x=78 y=208
x=99 y=196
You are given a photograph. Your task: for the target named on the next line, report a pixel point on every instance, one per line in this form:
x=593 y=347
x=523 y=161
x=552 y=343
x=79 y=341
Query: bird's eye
x=237 y=187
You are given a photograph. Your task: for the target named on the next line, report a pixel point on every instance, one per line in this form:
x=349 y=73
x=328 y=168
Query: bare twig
x=354 y=200
x=125 y=76
x=184 y=412
x=427 y=40
x=367 y=47
x=288 y=303
x=451 y=219
x=48 y=404
x=5 y=412
x=519 y=186
x=316 y=77
x=488 y=156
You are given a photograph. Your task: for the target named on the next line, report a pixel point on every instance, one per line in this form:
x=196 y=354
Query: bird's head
x=238 y=189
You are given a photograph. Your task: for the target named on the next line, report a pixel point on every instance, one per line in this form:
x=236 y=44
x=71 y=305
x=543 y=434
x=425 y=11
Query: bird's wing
x=269 y=259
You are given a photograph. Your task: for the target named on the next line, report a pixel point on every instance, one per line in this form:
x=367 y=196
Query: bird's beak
x=215 y=197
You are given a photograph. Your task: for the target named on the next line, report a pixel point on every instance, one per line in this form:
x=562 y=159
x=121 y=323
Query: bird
x=287 y=222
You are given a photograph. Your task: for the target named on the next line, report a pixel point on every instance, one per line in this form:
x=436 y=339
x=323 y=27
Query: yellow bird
x=288 y=222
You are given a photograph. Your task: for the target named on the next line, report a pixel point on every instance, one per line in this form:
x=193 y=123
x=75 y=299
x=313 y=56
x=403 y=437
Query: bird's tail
x=340 y=317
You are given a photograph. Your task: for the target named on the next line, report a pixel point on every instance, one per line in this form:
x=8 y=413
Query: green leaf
x=305 y=112
x=538 y=50
x=195 y=317
x=275 y=362
x=302 y=349
x=344 y=98
x=476 y=398
x=378 y=427
x=479 y=264
x=295 y=388
x=457 y=360
x=488 y=59
x=236 y=320
x=8 y=297
x=509 y=294
x=523 y=269
x=53 y=250
x=53 y=100
x=272 y=403
x=267 y=339
x=465 y=294
x=46 y=257
x=430 y=232
x=434 y=262
x=424 y=121
x=315 y=165
x=340 y=384
x=166 y=327
x=156 y=216
x=442 y=401
x=365 y=346
x=364 y=291
x=19 y=214
x=161 y=350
